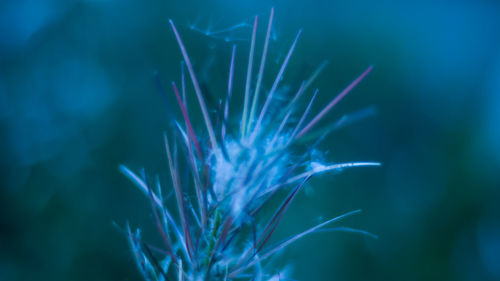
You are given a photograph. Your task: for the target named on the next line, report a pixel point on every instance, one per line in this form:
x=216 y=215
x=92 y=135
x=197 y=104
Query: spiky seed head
x=233 y=174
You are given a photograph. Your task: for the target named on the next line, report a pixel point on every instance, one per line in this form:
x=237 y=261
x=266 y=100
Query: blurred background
x=78 y=97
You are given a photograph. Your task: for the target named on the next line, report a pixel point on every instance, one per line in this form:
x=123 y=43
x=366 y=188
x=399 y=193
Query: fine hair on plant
x=220 y=184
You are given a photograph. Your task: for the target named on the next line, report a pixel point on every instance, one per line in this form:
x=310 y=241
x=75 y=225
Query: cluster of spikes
x=213 y=233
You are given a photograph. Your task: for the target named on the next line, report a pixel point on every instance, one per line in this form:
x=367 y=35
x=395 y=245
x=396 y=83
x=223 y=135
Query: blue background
x=77 y=98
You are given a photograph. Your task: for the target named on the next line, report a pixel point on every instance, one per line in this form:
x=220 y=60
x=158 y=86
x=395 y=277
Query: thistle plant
x=214 y=231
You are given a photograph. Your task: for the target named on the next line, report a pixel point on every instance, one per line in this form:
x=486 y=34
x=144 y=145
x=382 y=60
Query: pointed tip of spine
x=124 y=169
x=368 y=70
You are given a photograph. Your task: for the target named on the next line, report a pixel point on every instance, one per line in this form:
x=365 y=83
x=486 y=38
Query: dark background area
x=78 y=98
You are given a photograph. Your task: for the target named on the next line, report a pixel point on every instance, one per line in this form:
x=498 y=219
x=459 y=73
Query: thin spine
x=192 y=136
x=303 y=117
x=261 y=72
x=299 y=93
x=274 y=188
x=330 y=168
x=184 y=135
x=187 y=231
x=201 y=101
x=207 y=31
x=341 y=123
x=190 y=132
x=139 y=182
x=153 y=261
x=179 y=197
x=279 y=215
x=229 y=92
x=201 y=197
x=197 y=185
x=183 y=85
x=159 y=226
x=306 y=83
x=334 y=102
x=289 y=241
x=135 y=245
x=315 y=74
x=195 y=216
x=288 y=110
x=180 y=275
x=308 y=231
x=164 y=218
x=271 y=225
x=142 y=185
x=226 y=227
x=249 y=77
x=273 y=88
x=316 y=171
x=280 y=128
x=349 y=229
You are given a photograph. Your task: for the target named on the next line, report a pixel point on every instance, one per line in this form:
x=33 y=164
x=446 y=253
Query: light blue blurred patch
x=63 y=97
x=464 y=261
x=484 y=150
x=417 y=178
x=20 y=19
x=4 y=109
x=491 y=131
x=488 y=236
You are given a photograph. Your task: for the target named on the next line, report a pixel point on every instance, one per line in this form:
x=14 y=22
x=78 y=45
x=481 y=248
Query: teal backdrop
x=78 y=97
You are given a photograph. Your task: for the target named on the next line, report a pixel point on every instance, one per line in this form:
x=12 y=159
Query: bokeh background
x=78 y=97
